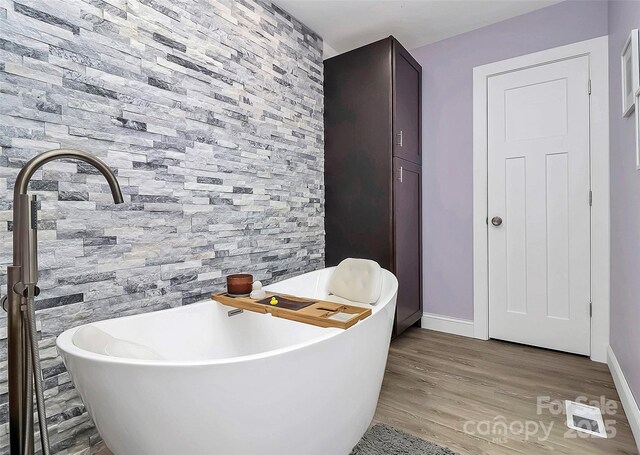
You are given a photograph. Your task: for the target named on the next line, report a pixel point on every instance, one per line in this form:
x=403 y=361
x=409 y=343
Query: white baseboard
x=629 y=403
x=447 y=324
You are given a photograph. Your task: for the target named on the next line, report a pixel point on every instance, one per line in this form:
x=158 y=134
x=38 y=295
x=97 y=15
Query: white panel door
x=539 y=209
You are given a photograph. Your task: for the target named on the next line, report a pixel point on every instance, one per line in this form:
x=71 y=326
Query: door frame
x=597 y=50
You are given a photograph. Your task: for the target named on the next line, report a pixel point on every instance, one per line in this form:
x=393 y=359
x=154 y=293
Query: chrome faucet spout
x=25 y=375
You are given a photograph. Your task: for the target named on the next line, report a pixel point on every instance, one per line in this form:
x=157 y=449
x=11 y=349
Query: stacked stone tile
x=211 y=114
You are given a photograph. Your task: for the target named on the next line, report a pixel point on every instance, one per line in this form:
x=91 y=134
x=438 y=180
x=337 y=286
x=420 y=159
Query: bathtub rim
x=65 y=345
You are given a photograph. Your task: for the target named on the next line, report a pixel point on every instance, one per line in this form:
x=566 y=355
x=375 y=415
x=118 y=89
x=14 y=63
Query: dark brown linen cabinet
x=373 y=136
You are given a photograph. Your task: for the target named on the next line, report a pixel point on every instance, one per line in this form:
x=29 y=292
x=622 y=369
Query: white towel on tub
x=92 y=339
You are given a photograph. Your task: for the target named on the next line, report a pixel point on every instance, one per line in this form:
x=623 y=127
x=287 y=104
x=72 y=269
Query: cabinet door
x=408 y=247
x=407 y=106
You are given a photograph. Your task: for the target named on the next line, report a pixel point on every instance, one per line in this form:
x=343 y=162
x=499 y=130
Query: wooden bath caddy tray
x=309 y=311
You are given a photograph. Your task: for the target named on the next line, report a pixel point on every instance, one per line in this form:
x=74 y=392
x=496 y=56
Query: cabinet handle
x=400 y=174
x=399 y=135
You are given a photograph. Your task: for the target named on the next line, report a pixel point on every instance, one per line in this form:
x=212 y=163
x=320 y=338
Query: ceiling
x=348 y=24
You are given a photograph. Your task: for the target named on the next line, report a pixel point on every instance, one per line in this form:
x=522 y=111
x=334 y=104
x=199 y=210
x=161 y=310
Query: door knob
x=496 y=221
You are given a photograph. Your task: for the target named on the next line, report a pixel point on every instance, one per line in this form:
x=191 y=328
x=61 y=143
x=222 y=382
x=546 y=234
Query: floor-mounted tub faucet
x=25 y=373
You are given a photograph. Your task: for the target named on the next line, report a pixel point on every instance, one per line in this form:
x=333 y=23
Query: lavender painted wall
x=625 y=206
x=447 y=136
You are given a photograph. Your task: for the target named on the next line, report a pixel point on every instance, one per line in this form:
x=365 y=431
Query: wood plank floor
x=436 y=382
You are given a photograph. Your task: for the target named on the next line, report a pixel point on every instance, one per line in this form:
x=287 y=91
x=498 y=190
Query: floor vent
x=587 y=419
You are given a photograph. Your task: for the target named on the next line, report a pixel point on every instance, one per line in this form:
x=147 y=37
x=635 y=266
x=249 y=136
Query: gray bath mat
x=382 y=439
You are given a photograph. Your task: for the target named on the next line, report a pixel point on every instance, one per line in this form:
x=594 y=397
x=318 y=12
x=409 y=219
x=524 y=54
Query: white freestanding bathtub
x=243 y=384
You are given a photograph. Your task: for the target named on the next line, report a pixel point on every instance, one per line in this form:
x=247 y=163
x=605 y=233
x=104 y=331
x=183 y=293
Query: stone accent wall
x=211 y=112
